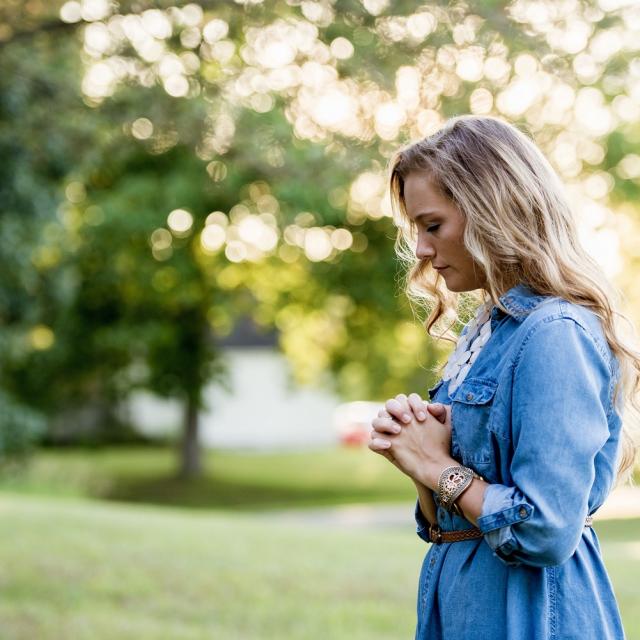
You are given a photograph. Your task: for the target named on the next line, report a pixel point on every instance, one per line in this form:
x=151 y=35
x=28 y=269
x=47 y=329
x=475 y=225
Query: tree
x=37 y=145
x=228 y=159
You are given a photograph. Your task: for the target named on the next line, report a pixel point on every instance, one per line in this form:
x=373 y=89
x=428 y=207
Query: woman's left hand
x=419 y=449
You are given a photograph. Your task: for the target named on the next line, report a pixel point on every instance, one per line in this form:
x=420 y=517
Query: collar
x=520 y=301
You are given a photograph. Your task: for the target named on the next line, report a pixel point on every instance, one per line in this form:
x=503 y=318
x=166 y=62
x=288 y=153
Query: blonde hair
x=519 y=229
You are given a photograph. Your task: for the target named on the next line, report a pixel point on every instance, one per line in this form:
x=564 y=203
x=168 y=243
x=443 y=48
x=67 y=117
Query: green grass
x=73 y=569
x=82 y=569
x=77 y=568
x=233 y=480
x=621 y=551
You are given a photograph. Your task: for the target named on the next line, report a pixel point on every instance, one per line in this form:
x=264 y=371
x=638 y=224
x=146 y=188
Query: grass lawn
x=72 y=567
x=233 y=480
x=81 y=569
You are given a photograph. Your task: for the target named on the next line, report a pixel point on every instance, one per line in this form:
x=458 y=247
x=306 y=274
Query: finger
x=398 y=410
x=417 y=406
x=438 y=411
x=383 y=413
x=380 y=435
x=385 y=453
x=404 y=401
x=386 y=425
x=378 y=444
x=375 y=449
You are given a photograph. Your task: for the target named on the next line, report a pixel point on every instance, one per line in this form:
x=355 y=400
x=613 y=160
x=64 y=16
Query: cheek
x=454 y=247
x=456 y=244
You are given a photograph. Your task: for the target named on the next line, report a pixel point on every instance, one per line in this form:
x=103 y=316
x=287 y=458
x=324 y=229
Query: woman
x=523 y=439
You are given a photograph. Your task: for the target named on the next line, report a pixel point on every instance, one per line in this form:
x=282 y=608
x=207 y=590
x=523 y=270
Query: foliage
x=20 y=428
x=264 y=129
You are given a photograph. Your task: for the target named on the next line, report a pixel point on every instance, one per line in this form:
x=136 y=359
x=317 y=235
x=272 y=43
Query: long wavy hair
x=519 y=229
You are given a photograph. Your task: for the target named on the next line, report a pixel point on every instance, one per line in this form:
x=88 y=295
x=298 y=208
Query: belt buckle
x=435 y=534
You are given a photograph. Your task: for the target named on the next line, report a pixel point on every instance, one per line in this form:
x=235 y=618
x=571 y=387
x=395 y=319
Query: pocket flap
x=476 y=391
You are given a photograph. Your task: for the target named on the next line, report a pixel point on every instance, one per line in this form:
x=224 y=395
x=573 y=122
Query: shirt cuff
x=422 y=528
x=501 y=509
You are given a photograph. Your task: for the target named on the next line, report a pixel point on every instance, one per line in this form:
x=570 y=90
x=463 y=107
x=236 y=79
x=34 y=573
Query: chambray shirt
x=536 y=417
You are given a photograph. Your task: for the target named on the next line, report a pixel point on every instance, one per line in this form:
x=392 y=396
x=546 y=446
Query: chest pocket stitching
x=478 y=392
x=475 y=391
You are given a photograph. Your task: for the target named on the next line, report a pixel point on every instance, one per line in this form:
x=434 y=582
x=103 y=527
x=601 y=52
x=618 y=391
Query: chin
x=455 y=286
x=455 y=289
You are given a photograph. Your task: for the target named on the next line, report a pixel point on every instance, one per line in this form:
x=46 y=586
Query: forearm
x=427 y=505
x=470 y=502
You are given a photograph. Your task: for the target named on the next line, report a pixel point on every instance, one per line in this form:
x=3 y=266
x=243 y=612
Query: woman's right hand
x=401 y=410
x=395 y=412
x=389 y=420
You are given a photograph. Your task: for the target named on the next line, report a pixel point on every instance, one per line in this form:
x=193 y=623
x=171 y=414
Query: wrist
x=431 y=471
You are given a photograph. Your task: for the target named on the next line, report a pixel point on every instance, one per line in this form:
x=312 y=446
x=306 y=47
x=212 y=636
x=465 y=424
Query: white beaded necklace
x=469 y=347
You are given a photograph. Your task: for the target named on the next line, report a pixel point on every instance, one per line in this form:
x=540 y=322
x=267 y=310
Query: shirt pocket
x=471 y=410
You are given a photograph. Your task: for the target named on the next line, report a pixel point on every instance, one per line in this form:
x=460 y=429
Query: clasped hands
x=415 y=436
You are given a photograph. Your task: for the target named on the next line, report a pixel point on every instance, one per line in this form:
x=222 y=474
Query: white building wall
x=262 y=411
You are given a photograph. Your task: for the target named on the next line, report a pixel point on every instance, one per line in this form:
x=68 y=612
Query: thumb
x=437 y=410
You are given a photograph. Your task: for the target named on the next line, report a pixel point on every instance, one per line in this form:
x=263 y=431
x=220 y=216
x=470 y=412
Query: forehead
x=422 y=196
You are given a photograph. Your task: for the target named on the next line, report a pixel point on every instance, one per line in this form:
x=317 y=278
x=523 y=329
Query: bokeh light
x=213 y=238
x=41 y=337
x=142 y=128
x=180 y=222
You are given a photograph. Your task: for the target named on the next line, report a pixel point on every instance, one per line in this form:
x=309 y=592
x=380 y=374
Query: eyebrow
x=426 y=214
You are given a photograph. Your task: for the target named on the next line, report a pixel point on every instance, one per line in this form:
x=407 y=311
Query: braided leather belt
x=437 y=536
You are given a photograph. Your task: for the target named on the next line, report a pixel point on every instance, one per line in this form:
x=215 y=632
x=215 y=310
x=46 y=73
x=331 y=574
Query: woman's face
x=440 y=225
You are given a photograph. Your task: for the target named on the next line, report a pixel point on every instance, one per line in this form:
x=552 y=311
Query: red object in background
x=353 y=422
x=355 y=438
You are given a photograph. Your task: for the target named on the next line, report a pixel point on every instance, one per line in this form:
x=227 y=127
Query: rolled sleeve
x=561 y=395
x=422 y=524
x=501 y=509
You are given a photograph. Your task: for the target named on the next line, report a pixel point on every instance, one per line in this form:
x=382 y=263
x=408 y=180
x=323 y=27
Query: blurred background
x=200 y=307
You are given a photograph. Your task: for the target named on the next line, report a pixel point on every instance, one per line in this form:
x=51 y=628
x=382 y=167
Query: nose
x=424 y=248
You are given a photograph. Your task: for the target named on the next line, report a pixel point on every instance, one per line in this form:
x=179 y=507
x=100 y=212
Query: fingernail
x=406 y=417
x=421 y=415
x=383 y=444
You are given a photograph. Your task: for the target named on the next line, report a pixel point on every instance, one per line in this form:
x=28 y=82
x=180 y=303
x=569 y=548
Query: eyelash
x=433 y=227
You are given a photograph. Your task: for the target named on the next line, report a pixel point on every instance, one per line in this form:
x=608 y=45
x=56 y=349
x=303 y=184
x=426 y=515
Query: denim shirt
x=536 y=417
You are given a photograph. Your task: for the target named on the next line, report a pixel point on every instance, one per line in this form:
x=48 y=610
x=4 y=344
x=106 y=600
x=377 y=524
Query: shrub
x=20 y=428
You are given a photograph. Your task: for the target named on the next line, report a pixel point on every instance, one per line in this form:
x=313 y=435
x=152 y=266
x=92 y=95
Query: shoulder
x=555 y=326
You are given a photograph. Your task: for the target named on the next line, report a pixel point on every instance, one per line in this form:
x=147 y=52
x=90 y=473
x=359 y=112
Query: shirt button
x=523 y=512
x=469 y=396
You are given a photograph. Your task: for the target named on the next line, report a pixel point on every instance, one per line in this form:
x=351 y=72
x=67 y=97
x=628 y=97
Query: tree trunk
x=190 y=459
